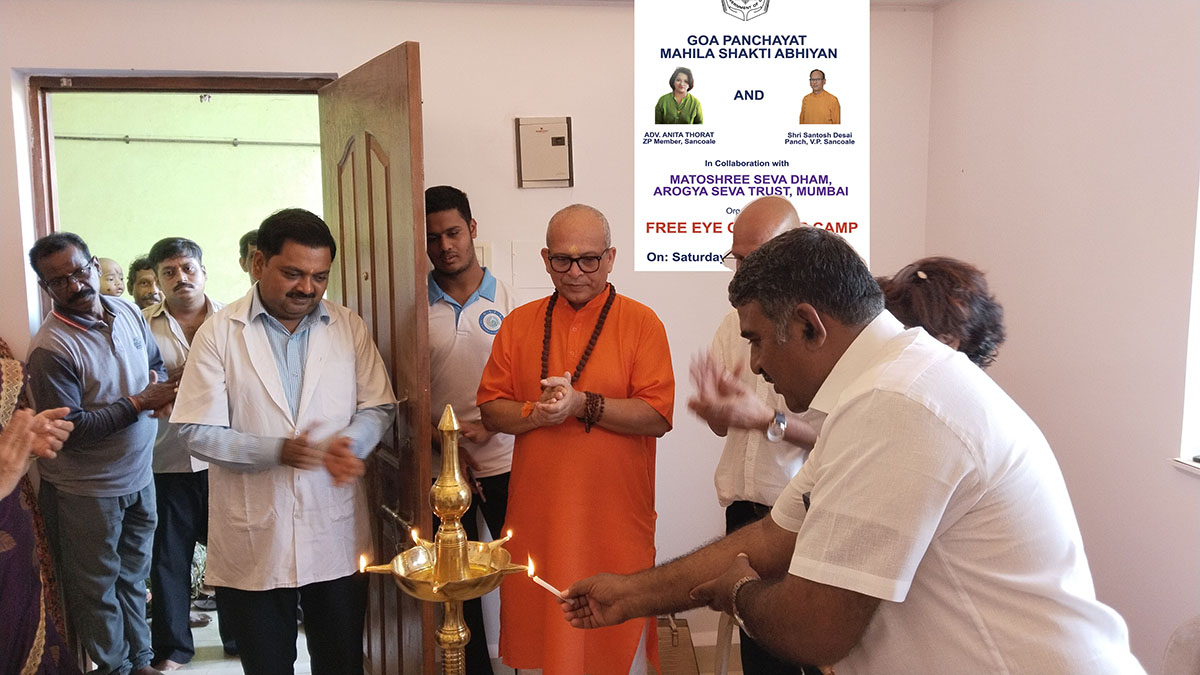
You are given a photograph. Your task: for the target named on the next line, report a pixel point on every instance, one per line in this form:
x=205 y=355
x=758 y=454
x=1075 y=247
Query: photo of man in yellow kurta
x=819 y=107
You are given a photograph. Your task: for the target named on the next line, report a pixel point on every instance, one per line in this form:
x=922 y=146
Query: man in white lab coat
x=285 y=395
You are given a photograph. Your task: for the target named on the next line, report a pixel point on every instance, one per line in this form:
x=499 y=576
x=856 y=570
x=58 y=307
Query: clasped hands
x=722 y=400
x=558 y=402
x=28 y=437
x=337 y=455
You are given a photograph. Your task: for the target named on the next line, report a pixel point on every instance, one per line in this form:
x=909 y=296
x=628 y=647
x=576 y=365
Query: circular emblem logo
x=490 y=320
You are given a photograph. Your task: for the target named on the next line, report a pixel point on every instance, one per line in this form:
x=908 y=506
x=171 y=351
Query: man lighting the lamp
x=930 y=529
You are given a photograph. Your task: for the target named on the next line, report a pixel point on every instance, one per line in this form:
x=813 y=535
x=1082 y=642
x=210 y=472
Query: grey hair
x=807 y=265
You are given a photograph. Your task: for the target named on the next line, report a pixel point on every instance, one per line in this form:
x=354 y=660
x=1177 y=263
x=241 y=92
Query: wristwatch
x=777 y=428
x=733 y=595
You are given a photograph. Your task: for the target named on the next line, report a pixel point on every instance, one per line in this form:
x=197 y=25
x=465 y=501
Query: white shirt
x=281 y=527
x=930 y=489
x=171 y=455
x=751 y=468
x=460 y=342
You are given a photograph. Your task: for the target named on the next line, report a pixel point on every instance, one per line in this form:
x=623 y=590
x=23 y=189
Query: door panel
x=379 y=198
x=373 y=176
x=345 y=229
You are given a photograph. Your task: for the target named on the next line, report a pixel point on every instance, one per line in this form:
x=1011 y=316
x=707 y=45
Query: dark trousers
x=182 y=523
x=264 y=625
x=495 y=491
x=755 y=659
x=101 y=548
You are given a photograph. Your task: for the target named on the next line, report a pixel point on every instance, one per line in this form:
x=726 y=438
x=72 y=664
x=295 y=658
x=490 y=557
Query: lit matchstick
x=540 y=582
x=362 y=563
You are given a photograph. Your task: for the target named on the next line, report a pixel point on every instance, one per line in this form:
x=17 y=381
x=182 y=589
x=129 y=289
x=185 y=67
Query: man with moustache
x=586 y=403
x=180 y=482
x=284 y=395
x=143 y=285
x=95 y=355
x=466 y=307
x=765 y=443
x=930 y=530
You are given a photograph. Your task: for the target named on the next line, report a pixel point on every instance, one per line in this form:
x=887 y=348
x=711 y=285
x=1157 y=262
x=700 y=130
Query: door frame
x=44 y=184
x=44 y=187
x=41 y=135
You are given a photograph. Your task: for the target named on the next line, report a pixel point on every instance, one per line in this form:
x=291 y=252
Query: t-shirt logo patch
x=490 y=320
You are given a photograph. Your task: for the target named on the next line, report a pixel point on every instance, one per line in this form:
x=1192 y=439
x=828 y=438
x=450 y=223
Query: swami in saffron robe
x=579 y=503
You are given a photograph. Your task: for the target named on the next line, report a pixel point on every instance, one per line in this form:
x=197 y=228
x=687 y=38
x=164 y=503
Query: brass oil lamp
x=450 y=569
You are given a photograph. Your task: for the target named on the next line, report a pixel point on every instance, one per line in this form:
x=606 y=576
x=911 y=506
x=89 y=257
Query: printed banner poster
x=740 y=99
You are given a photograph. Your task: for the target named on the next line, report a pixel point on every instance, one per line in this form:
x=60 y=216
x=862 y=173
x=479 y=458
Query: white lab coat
x=281 y=527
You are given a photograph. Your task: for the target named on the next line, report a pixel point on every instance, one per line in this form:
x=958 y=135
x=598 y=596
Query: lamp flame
x=542 y=582
x=416 y=537
x=362 y=563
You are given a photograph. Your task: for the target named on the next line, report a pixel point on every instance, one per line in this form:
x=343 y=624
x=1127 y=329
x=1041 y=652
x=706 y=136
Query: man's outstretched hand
x=602 y=600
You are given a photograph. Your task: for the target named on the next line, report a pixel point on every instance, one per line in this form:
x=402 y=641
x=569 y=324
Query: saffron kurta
x=822 y=108
x=579 y=503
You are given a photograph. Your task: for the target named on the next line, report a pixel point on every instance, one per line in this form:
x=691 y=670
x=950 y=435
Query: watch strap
x=777 y=429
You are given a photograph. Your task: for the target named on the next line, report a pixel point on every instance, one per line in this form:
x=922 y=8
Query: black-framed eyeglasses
x=587 y=263
x=731 y=260
x=58 y=284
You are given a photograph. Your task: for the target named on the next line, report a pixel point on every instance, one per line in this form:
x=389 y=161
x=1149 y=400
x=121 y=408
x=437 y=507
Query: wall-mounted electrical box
x=483 y=252
x=544 y=152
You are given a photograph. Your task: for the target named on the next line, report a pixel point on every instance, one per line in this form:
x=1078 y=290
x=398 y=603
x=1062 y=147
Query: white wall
x=901 y=67
x=1064 y=157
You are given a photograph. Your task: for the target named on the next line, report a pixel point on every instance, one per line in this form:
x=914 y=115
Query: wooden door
x=373 y=177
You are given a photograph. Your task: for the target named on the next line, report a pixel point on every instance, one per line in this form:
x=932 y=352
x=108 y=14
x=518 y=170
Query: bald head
x=761 y=221
x=579 y=254
x=578 y=218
